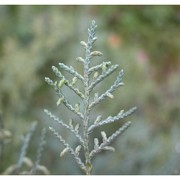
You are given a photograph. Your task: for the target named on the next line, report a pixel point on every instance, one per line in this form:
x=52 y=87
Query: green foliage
x=153 y=28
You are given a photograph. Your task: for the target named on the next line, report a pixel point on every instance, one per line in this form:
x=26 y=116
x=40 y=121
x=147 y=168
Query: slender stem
x=86 y=108
x=86 y=119
x=86 y=136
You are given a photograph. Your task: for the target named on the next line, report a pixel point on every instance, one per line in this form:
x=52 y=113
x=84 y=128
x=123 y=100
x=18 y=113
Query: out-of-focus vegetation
x=143 y=40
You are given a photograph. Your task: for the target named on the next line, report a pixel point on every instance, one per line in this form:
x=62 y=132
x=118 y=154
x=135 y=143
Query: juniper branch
x=71 y=71
x=66 y=82
x=64 y=125
x=66 y=145
x=115 y=85
x=60 y=95
x=87 y=106
x=66 y=103
x=25 y=145
x=97 y=67
x=70 y=107
x=111 y=119
x=76 y=90
x=39 y=151
x=102 y=76
x=110 y=139
x=86 y=110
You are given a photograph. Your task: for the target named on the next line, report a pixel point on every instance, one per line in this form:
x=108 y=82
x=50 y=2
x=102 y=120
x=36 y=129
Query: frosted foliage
x=84 y=107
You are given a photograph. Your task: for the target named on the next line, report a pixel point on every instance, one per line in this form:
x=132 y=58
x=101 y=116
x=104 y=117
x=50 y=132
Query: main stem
x=87 y=111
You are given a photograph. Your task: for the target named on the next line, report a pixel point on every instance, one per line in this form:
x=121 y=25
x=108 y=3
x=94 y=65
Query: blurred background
x=143 y=40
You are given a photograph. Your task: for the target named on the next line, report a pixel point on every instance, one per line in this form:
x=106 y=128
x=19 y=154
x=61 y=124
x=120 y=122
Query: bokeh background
x=143 y=40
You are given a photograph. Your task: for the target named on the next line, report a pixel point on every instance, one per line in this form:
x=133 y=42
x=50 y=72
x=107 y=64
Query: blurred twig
x=5 y=136
x=25 y=146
